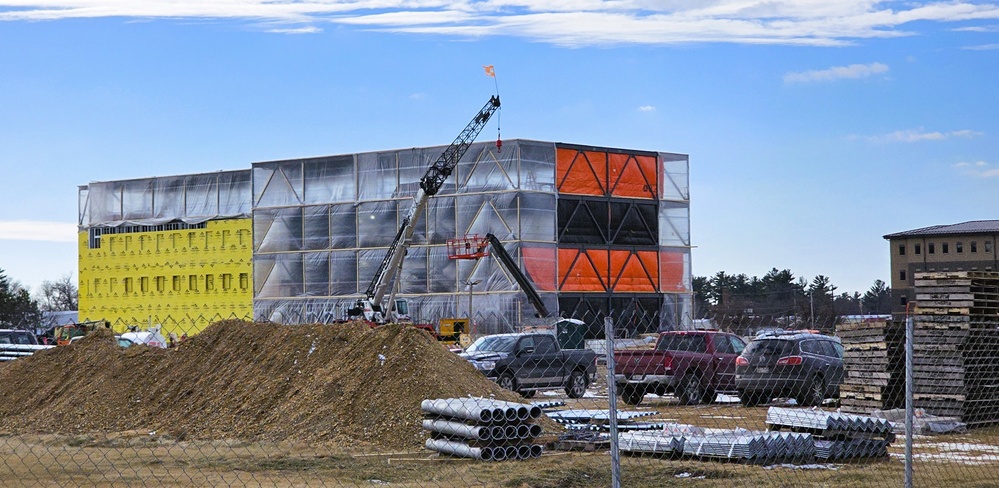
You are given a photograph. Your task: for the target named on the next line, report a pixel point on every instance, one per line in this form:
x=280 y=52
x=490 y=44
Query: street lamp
x=471 y=284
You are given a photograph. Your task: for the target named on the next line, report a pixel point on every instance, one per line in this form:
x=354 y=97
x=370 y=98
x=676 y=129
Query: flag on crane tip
x=490 y=71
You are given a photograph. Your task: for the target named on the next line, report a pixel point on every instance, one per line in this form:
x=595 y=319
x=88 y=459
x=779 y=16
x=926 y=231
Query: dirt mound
x=344 y=384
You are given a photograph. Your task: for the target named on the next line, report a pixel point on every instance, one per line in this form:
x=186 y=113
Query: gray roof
x=972 y=227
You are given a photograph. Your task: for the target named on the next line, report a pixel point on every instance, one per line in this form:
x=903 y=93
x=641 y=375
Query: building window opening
x=944 y=248
x=931 y=248
x=901 y=274
x=974 y=246
x=988 y=246
x=917 y=249
x=901 y=249
x=959 y=247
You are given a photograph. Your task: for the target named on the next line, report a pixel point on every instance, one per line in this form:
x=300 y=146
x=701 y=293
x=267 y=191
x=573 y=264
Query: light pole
x=471 y=284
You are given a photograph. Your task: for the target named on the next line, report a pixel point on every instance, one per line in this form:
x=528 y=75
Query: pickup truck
x=529 y=362
x=693 y=365
x=17 y=344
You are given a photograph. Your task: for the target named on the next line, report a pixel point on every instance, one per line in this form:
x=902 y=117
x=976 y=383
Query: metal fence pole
x=908 y=400
x=612 y=403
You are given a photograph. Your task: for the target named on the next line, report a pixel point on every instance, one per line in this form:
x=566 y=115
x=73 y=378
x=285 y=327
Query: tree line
x=18 y=309
x=741 y=303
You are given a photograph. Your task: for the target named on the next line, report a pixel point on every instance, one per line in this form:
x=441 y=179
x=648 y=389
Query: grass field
x=151 y=459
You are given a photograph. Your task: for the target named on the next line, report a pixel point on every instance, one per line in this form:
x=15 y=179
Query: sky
x=814 y=127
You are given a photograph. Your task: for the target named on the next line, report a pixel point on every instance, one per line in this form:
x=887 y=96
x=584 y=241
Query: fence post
x=612 y=403
x=909 y=335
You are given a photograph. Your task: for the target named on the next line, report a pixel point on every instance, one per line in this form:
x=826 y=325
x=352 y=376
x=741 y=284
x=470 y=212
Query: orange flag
x=490 y=71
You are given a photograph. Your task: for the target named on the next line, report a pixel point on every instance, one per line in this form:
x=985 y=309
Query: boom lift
x=504 y=257
x=371 y=307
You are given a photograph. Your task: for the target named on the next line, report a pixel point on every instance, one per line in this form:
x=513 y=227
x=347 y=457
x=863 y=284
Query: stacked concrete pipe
x=482 y=428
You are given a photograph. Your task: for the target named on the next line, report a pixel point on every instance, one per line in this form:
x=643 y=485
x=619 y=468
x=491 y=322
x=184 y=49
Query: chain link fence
x=730 y=400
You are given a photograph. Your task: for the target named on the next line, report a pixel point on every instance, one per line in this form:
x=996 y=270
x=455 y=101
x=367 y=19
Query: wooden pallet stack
x=874 y=364
x=956 y=345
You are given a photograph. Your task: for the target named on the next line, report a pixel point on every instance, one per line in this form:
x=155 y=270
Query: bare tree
x=60 y=295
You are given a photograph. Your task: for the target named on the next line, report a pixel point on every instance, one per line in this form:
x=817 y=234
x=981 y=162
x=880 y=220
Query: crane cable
x=491 y=71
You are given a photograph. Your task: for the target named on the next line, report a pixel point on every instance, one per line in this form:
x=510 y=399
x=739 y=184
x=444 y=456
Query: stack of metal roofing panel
x=838 y=435
x=828 y=424
x=597 y=415
x=548 y=405
x=752 y=446
x=650 y=443
x=599 y=420
x=833 y=449
x=482 y=428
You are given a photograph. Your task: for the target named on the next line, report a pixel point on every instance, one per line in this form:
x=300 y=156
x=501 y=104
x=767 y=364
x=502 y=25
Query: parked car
x=804 y=365
x=16 y=343
x=693 y=365
x=17 y=336
x=527 y=363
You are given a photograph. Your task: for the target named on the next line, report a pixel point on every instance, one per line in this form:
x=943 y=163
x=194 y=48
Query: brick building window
x=917 y=249
x=988 y=246
x=931 y=248
x=901 y=274
x=944 y=248
x=901 y=249
x=902 y=301
x=959 y=247
x=974 y=246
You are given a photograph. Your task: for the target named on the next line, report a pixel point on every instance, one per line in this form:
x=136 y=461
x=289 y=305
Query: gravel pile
x=343 y=385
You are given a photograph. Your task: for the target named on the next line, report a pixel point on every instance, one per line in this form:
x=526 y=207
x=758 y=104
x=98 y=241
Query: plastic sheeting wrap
x=155 y=201
x=339 y=215
x=675 y=181
x=674 y=224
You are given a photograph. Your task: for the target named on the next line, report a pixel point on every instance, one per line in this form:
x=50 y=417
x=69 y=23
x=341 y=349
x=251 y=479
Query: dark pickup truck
x=693 y=365
x=527 y=363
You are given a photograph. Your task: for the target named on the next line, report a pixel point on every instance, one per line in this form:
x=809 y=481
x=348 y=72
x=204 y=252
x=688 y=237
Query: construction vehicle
x=64 y=334
x=371 y=307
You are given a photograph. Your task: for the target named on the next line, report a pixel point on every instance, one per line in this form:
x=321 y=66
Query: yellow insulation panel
x=182 y=279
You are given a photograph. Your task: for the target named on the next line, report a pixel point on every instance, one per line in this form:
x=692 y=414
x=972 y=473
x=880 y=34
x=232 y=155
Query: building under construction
x=597 y=231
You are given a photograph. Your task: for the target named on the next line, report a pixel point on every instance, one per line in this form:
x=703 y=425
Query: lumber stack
x=874 y=365
x=956 y=345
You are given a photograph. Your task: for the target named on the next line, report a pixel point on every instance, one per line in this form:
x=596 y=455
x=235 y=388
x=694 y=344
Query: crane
x=371 y=307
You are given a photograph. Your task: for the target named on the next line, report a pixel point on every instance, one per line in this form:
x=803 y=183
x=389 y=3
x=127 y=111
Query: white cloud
x=978 y=169
x=562 y=22
x=978 y=28
x=919 y=135
x=298 y=30
x=853 y=71
x=647 y=108
x=20 y=230
x=982 y=47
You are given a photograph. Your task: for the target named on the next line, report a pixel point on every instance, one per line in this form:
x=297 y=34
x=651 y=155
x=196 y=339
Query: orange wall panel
x=581 y=173
x=578 y=272
x=633 y=176
x=672 y=268
x=634 y=271
x=541 y=266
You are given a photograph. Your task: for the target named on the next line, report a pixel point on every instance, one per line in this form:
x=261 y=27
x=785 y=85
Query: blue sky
x=813 y=127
